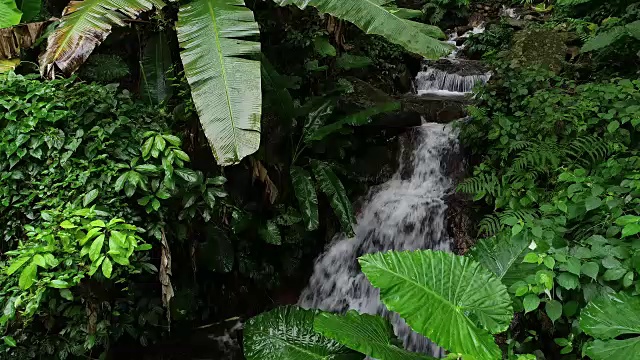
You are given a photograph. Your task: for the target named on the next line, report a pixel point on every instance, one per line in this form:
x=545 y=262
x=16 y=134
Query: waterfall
x=405 y=213
x=439 y=82
x=451 y=76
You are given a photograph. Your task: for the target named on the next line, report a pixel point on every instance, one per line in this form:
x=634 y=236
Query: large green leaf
x=628 y=349
x=307 y=197
x=335 y=191
x=604 y=39
x=608 y=317
x=156 y=64
x=30 y=9
x=444 y=297
x=373 y=18
x=224 y=85
x=286 y=333
x=503 y=256
x=9 y=13
x=368 y=334
x=84 y=25
x=357 y=119
x=611 y=315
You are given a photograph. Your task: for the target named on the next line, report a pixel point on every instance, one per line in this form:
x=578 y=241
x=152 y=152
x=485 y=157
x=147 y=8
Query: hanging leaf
x=360 y=118
x=450 y=299
x=307 y=197
x=608 y=317
x=335 y=191
x=155 y=70
x=13 y=39
x=30 y=9
x=9 y=14
x=348 y=61
x=260 y=172
x=276 y=95
x=373 y=18
x=8 y=65
x=224 y=85
x=368 y=334
x=84 y=26
x=286 y=333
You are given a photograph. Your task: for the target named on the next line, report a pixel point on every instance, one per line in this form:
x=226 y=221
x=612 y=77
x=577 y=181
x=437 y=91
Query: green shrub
x=88 y=180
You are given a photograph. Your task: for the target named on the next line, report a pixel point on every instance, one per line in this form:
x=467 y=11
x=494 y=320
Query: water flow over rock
x=452 y=76
x=405 y=213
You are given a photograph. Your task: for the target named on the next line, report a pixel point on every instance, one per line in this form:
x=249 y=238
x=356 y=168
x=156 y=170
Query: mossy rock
x=539 y=47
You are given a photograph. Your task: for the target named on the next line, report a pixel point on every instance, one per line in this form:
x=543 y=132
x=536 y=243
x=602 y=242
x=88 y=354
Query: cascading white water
x=405 y=213
x=435 y=81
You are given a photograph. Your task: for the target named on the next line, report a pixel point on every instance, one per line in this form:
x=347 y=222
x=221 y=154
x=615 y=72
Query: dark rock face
x=461 y=67
x=434 y=108
x=539 y=47
x=459 y=224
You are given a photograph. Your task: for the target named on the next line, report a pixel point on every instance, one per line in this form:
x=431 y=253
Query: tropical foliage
x=224 y=79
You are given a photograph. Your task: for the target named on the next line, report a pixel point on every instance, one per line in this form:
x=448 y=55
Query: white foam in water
x=439 y=82
x=405 y=213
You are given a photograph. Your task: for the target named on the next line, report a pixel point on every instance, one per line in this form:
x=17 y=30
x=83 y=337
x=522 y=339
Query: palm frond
x=84 y=26
x=225 y=86
x=373 y=18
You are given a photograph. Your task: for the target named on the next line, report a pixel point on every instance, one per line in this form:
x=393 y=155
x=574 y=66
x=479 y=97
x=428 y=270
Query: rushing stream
x=408 y=212
x=405 y=213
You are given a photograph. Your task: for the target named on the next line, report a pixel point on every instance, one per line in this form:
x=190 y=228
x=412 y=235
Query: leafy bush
x=88 y=181
x=559 y=166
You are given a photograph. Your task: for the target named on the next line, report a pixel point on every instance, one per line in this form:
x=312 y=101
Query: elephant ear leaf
x=503 y=257
x=373 y=18
x=450 y=299
x=225 y=86
x=286 y=333
x=608 y=317
x=84 y=26
x=307 y=197
x=9 y=14
x=335 y=191
x=368 y=334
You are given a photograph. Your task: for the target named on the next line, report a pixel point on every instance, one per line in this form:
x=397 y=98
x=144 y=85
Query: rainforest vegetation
x=169 y=171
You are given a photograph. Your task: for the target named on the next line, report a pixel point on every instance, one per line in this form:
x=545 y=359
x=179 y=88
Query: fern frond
x=540 y=157
x=480 y=185
x=492 y=224
x=589 y=150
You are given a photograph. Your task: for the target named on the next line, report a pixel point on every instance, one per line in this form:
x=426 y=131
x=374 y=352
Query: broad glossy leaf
x=225 y=86
x=84 y=26
x=286 y=333
x=16 y=264
x=611 y=315
x=503 y=256
x=335 y=191
x=628 y=349
x=604 y=39
x=368 y=334
x=450 y=299
x=9 y=14
x=28 y=276
x=156 y=65
x=270 y=233
x=373 y=18
x=96 y=248
x=307 y=197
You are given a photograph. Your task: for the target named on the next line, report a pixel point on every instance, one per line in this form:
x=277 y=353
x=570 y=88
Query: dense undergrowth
x=121 y=236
